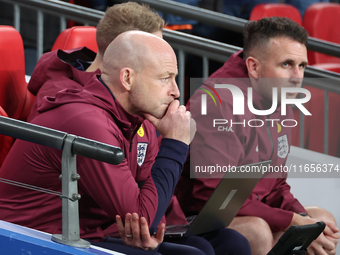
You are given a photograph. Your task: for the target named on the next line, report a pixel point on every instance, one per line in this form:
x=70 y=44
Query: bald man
x=139 y=84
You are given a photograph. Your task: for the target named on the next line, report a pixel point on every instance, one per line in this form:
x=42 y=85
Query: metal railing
x=186 y=43
x=57 y=8
x=227 y=22
x=89 y=16
x=71 y=146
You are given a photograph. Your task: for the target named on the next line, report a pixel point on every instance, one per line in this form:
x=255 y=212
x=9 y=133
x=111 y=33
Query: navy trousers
x=115 y=244
x=221 y=242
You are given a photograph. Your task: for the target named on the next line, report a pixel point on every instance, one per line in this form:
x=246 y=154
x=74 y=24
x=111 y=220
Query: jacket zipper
x=131 y=143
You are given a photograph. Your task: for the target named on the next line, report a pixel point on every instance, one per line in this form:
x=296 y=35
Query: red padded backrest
x=314 y=125
x=5 y=141
x=75 y=37
x=280 y=10
x=322 y=21
x=15 y=99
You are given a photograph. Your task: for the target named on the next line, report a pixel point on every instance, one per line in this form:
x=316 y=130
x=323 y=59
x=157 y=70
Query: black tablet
x=296 y=239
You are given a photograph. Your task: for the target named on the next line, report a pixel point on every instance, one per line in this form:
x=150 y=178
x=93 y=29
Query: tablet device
x=296 y=239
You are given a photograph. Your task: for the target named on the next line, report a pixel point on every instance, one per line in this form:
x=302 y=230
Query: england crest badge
x=141 y=152
x=283 y=147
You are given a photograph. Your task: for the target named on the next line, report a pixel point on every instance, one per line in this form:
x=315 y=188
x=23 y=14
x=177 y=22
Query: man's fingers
x=331 y=225
x=122 y=229
x=333 y=240
x=334 y=235
x=144 y=232
x=182 y=109
x=329 y=245
x=174 y=105
x=151 y=242
x=120 y=226
x=128 y=232
x=329 y=232
x=136 y=232
x=175 y=124
x=325 y=242
x=135 y=228
x=160 y=232
x=332 y=252
x=316 y=249
x=154 y=121
x=310 y=251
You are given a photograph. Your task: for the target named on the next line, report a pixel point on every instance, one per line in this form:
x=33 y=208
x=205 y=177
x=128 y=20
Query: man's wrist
x=299 y=219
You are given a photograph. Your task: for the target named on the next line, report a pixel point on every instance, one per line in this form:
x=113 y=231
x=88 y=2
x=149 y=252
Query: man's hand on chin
x=175 y=124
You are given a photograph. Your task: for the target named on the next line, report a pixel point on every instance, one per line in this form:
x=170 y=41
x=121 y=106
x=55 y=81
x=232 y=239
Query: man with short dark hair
x=274 y=57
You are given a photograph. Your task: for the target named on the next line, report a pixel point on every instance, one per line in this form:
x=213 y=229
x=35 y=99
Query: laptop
x=223 y=205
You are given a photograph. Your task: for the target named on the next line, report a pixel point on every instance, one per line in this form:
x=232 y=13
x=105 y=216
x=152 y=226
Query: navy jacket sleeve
x=165 y=173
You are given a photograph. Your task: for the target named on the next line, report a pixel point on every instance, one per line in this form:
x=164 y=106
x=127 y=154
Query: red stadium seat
x=322 y=20
x=75 y=37
x=280 y=10
x=5 y=141
x=15 y=99
x=314 y=125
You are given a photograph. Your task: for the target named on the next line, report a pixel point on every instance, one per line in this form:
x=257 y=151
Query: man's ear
x=253 y=66
x=126 y=77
